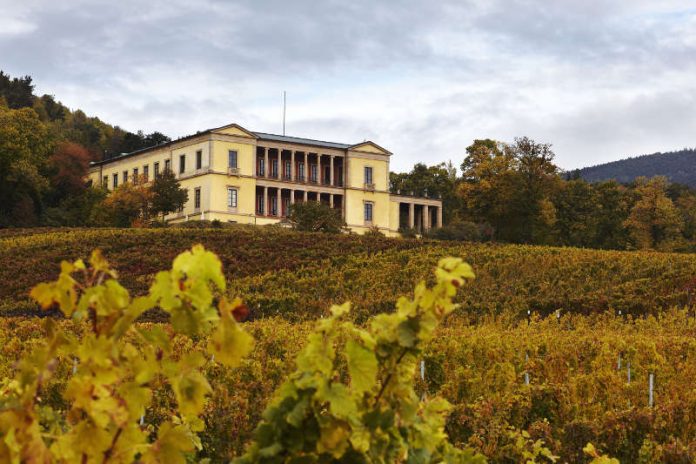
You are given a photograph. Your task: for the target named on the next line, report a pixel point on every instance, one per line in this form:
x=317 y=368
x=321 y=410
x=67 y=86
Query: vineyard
x=549 y=346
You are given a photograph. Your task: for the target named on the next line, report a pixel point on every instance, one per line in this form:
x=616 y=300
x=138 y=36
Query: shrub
x=460 y=231
x=315 y=217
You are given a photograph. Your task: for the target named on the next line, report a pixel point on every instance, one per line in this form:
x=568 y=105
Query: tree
x=125 y=206
x=69 y=165
x=18 y=92
x=654 y=222
x=614 y=202
x=313 y=216
x=576 y=219
x=539 y=179
x=167 y=194
x=489 y=187
x=24 y=144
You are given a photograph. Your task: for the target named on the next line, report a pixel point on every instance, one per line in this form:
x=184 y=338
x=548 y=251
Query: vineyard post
x=618 y=363
x=529 y=316
x=558 y=316
x=422 y=370
x=526 y=372
x=651 y=385
x=628 y=371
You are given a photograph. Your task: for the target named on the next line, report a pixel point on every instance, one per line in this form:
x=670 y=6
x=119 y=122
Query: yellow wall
x=246 y=156
x=356 y=172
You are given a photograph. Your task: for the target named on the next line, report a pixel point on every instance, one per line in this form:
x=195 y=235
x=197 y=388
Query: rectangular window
x=368 y=211
x=288 y=168
x=274 y=205
x=125 y=176
x=156 y=170
x=199 y=159
x=197 y=198
x=232 y=159
x=105 y=182
x=146 y=173
x=259 y=204
x=135 y=175
x=274 y=167
x=300 y=170
x=167 y=165
x=312 y=172
x=368 y=175
x=115 y=180
x=261 y=171
x=182 y=164
x=231 y=197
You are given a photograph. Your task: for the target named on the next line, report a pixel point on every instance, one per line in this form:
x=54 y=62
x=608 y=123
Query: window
x=368 y=175
x=313 y=172
x=197 y=198
x=105 y=182
x=231 y=197
x=156 y=170
x=259 y=204
x=135 y=175
x=232 y=159
x=262 y=167
x=167 y=165
x=115 y=180
x=182 y=164
x=199 y=159
x=288 y=168
x=327 y=175
x=146 y=173
x=300 y=170
x=274 y=206
x=368 y=211
x=274 y=167
x=125 y=176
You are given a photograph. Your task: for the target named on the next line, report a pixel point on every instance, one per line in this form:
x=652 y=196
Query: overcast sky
x=598 y=79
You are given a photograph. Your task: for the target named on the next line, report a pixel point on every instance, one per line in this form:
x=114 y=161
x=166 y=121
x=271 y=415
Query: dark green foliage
x=678 y=166
x=315 y=217
x=463 y=231
x=167 y=194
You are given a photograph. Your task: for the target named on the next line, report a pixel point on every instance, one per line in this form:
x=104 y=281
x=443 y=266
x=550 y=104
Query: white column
x=265 y=201
x=411 y=215
x=304 y=196
x=292 y=165
x=306 y=171
x=426 y=218
x=439 y=216
x=265 y=163
x=279 y=205
x=331 y=171
x=331 y=200
x=292 y=197
x=318 y=197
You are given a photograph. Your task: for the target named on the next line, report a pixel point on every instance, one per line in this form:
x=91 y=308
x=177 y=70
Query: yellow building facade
x=235 y=175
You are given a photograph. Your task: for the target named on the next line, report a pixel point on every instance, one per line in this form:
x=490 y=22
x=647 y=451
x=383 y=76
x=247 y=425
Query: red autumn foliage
x=70 y=162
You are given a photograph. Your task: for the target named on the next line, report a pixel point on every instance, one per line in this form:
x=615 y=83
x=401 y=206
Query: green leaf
x=362 y=367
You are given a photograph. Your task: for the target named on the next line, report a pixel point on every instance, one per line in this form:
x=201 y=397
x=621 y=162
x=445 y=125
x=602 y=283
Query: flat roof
x=302 y=141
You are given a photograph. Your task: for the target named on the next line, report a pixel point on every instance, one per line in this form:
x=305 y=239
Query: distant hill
x=677 y=166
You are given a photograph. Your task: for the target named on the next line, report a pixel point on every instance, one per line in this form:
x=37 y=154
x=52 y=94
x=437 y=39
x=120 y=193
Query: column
x=266 y=167
x=439 y=216
x=279 y=204
x=306 y=170
x=292 y=197
x=265 y=201
x=292 y=166
x=318 y=197
x=331 y=200
x=411 y=215
x=331 y=175
x=426 y=222
x=304 y=197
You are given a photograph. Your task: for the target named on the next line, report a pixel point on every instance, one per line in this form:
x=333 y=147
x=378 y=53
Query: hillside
x=678 y=166
x=298 y=275
x=555 y=379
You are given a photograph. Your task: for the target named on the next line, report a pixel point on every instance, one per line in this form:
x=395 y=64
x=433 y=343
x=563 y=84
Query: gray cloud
x=600 y=79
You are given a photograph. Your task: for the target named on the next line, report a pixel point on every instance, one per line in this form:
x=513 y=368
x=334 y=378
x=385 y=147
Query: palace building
x=235 y=175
